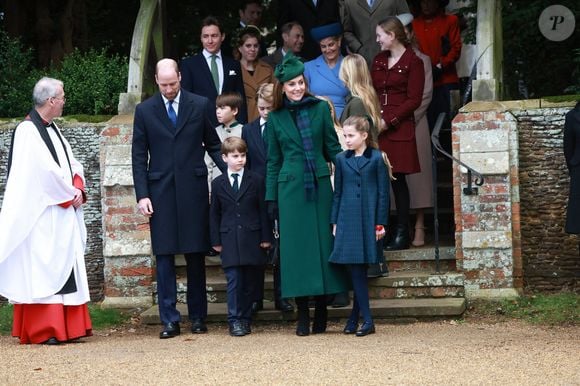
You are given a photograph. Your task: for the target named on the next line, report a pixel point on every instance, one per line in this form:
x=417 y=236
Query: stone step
x=412 y=259
x=398 y=285
x=402 y=309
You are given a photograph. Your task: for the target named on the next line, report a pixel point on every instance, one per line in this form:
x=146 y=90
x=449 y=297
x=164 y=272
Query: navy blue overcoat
x=361 y=201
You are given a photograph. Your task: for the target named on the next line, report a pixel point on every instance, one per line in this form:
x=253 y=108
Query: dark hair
x=287 y=27
x=231 y=144
x=278 y=101
x=212 y=20
x=232 y=99
x=244 y=4
x=239 y=39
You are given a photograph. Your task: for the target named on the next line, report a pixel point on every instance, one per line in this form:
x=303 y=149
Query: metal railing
x=469 y=190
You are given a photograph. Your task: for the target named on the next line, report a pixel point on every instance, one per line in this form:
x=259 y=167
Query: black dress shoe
x=237 y=329
x=212 y=252
x=351 y=327
x=257 y=306
x=400 y=239
x=170 y=330
x=198 y=326
x=51 y=341
x=366 y=329
x=247 y=327
x=284 y=305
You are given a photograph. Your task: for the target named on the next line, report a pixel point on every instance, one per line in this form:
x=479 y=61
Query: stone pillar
x=488 y=235
x=128 y=268
x=148 y=32
x=489 y=56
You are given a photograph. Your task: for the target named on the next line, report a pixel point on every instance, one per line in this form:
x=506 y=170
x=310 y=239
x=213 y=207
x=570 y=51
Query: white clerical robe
x=40 y=241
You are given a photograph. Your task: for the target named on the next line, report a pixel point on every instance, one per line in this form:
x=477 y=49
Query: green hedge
x=92 y=80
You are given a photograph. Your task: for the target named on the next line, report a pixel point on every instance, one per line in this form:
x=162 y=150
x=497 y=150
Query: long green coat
x=305 y=232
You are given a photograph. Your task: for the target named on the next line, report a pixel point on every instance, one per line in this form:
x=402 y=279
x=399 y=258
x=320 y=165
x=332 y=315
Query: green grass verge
x=101 y=318
x=546 y=309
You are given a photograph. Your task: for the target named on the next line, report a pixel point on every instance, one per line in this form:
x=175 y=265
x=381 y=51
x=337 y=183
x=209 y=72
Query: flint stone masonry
x=510 y=235
x=84 y=140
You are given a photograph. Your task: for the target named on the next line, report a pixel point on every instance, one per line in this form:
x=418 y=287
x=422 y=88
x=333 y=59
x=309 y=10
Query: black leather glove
x=437 y=72
x=273 y=210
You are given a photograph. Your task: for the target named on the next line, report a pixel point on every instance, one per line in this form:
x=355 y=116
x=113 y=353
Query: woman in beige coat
x=255 y=72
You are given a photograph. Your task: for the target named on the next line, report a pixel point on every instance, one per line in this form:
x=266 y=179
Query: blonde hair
x=266 y=92
x=355 y=74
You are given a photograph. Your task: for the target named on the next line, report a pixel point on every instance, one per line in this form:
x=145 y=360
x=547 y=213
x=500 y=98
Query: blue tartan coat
x=361 y=201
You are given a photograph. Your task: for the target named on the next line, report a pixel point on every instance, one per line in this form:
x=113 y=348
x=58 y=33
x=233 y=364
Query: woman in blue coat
x=359 y=214
x=322 y=73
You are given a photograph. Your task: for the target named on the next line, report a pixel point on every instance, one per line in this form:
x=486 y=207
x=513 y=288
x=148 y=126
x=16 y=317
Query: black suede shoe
x=247 y=327
x=257 y=306
x=170 y=330
x=237 y=329
x=51 y=342
x=284 y=305
x=198 y=326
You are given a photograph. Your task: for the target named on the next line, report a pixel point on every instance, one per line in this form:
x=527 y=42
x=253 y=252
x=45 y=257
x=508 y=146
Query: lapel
x=185 y=107
x=227 y=187
x=289 y=126
x=206 y=75
x=325 y=71
x=256 y=135
x=244 y=186
x=161 y=112
x=310 y=4
x=364 y=6
x=354 y=164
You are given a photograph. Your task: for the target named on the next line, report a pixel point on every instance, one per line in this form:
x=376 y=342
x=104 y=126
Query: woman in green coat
x=301 y=141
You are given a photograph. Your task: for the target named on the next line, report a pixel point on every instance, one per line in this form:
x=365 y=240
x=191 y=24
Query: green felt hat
x=290 y=68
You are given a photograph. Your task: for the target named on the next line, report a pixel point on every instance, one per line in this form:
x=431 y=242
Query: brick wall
x=510 y=236
x=84 y=140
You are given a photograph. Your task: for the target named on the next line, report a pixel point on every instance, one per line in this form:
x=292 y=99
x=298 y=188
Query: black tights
x=402 y=200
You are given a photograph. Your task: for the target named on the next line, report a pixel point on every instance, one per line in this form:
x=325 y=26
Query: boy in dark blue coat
x=240 y=231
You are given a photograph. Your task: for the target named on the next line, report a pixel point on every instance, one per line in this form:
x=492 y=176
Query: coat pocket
x=153 y=176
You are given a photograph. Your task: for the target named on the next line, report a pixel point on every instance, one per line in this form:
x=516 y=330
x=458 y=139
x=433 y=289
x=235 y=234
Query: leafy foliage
x=18 y=77
x=533 y=65
x=93 y=81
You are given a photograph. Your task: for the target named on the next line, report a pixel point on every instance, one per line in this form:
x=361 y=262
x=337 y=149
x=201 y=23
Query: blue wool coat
x=324 y=81
x=361 y=201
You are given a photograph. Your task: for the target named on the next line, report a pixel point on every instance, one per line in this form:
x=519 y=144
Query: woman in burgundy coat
x=398 y=77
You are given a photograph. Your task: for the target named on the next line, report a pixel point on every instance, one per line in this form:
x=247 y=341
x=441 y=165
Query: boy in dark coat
x=240 y=231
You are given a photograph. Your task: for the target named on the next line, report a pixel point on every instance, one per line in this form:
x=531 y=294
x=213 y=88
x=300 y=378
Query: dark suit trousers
x=167 y=287
x=241 y=289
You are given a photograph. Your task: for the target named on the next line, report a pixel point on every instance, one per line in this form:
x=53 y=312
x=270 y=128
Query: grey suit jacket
x=359 y=23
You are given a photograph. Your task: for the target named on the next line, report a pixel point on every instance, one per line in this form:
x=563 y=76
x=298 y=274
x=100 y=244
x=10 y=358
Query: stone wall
x=84 y=140
x=551 y=260
x=510 y=236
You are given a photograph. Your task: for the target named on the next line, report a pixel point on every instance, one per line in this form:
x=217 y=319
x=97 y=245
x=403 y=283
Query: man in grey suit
x=172 y=130
x=359 y=20
x=293 y=38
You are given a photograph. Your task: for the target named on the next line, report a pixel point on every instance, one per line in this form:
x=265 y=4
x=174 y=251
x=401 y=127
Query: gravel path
x=435 y=353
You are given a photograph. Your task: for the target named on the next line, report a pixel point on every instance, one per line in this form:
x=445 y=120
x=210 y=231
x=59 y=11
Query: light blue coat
x=361 y=201
x=323 y=80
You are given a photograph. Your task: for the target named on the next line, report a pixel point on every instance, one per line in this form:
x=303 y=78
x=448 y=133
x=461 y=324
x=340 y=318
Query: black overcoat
x=239 y=221
x=572 y=155
x=257 y=149
x=169 y=168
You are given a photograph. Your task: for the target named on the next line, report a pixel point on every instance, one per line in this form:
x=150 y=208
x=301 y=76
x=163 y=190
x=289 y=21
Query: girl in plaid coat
x=359 y=214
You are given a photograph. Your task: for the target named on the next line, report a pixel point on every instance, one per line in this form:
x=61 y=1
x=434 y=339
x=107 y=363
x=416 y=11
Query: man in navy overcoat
x=172 y=130
x=196 y=75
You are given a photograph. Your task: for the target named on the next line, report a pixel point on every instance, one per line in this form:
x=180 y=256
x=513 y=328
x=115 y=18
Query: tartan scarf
x=300 y=111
